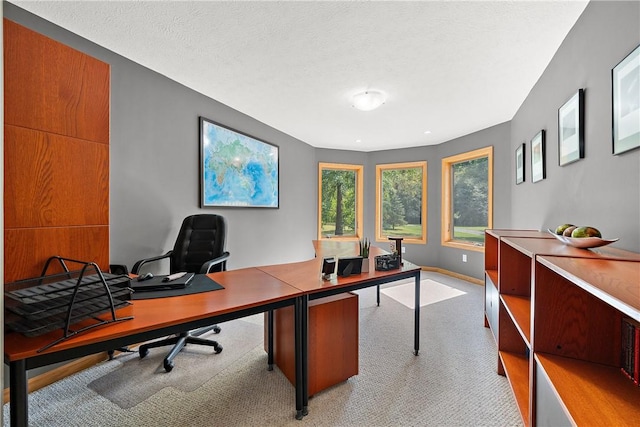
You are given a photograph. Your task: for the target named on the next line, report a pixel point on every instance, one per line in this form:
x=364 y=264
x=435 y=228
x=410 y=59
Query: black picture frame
x=349 y=265
x=625 y=88
x=571 y=129
x=520 y=163
x=237 y=169
x=538 y=163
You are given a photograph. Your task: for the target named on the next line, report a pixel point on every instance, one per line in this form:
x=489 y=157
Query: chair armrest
x=222 y=259
x=139 y=264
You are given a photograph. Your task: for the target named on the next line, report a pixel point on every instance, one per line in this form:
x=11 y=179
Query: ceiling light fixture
x=368 y=100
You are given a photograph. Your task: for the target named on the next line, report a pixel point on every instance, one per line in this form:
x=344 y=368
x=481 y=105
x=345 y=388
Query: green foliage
x=364 y=247
x=408 y=230
x=401 y=198
x=470 y=193
x=469 y=234
x=338 y=200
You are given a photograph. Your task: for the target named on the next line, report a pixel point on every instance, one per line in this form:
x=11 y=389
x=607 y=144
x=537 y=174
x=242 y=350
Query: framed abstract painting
x=538 y=169
x=625 y=79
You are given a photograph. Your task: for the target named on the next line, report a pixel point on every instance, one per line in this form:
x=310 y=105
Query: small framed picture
x=571 y=129
x=625 y=78
x=520 y=163
x=538 y=169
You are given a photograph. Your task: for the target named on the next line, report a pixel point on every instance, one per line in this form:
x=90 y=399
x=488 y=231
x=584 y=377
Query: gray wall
x=154 y=155
x=433 y=253
x=154 y=166
x=601 y=190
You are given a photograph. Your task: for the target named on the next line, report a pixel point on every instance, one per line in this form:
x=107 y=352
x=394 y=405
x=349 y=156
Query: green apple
x=560 y=229
x=586 y=232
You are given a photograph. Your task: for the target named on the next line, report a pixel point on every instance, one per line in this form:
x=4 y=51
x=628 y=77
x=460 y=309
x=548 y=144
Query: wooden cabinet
x=56 y=153
x=333 y=341
x=558 y=317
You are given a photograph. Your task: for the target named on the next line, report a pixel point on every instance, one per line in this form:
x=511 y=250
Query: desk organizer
x=43 y=304
x=387 y=262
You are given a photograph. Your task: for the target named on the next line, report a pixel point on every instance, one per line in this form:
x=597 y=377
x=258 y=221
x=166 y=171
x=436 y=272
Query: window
x=467 y=198
x=401 y=201
x=340 y=199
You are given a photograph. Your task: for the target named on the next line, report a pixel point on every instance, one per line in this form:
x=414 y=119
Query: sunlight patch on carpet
x=430 y=293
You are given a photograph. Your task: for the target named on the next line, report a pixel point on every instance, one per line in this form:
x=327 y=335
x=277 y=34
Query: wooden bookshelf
x=559 y=327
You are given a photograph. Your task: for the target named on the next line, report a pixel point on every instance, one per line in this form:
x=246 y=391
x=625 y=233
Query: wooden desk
x=246 y=291
x=306 y=277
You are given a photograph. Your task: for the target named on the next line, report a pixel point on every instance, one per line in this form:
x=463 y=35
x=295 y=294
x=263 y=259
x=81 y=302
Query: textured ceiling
x=448 y=67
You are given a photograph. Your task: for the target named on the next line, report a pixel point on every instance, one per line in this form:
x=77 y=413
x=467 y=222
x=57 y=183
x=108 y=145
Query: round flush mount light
x=368 y=100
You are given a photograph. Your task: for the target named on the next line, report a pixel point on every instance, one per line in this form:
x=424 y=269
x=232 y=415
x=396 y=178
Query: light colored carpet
x=194 y=366
x=430 y=293
x=452 y=382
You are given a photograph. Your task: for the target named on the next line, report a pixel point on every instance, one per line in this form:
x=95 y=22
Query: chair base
x=179 y=341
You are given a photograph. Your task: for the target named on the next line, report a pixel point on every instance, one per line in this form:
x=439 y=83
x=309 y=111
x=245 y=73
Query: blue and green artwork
x=237 y=170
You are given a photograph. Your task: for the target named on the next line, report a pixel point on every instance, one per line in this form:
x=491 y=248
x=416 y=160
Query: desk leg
x=18 y=393
x=416 y=343
x=301 y=354
x=270 y=339
x=378 y=295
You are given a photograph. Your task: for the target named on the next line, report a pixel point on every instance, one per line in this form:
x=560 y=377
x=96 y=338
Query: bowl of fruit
x=582 y=236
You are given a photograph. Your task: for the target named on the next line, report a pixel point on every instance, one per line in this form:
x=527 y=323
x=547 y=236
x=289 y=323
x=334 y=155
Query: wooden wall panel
x=56 y=154
x=27 y=249
x=52 y=180
x=51 y=87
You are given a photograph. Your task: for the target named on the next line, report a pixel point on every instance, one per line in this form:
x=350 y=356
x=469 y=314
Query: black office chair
x=199 y=248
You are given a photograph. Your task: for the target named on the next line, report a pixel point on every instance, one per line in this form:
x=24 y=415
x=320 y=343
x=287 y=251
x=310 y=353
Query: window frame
x=447 y=190
x=379 y=237
x=359 y=170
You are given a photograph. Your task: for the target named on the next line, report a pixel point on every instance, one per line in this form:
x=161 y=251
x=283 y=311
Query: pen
x=189 y=279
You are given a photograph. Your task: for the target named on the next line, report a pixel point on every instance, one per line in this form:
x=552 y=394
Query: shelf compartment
x=516 y=367
x=514 y=271
x=591 y=391
x=491 y=252
x=572 y=322
x=493 y=276
x=615 y=282
x=519 y=309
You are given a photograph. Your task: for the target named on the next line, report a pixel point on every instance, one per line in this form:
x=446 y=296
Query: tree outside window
x=401 y=201
x=340 y=198
x=467 y=196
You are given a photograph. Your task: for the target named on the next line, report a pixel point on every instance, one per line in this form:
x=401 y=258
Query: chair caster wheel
x=216 y=329
x=168 y=366
x=218 y=349
x=143 y=352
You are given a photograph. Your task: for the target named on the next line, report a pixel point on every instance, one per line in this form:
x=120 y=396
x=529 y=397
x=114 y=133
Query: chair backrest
x=201 y=238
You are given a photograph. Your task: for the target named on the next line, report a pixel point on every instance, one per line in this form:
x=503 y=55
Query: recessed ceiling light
x=427 y=132
x=368 y=100
x=358 y=140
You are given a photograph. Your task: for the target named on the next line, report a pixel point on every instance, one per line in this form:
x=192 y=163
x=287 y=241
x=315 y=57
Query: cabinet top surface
x=615 y=282
x=519 y=233
x=546 y=246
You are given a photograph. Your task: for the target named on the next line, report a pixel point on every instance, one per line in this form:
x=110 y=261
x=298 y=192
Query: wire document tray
x=43 y=304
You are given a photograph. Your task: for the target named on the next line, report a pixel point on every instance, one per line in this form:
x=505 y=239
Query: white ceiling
x=448 y=67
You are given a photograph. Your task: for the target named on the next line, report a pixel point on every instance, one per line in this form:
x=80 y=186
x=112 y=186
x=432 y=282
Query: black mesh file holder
x=43 y=304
